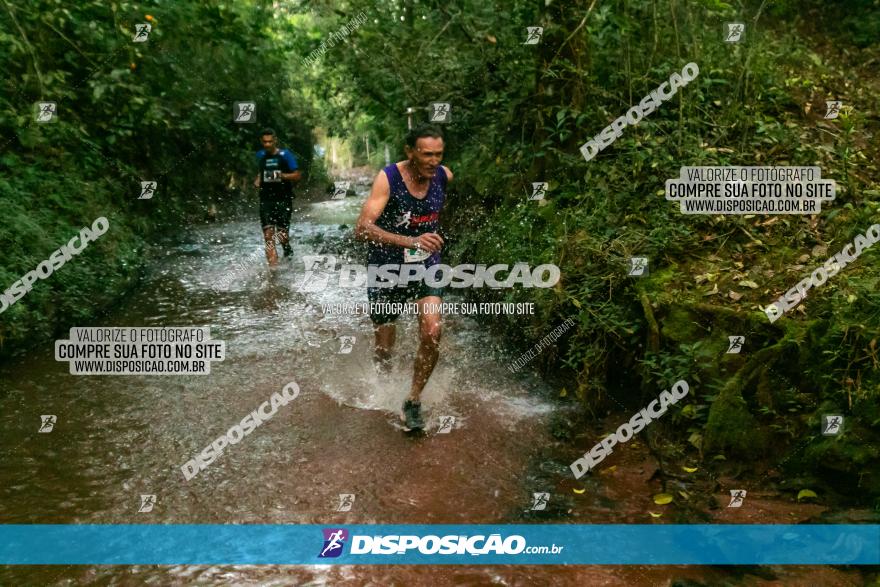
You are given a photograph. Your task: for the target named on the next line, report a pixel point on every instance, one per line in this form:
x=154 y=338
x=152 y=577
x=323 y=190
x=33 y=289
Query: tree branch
x=29 y=46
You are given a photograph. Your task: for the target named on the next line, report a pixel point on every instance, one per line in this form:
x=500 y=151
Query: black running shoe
x=412 y=415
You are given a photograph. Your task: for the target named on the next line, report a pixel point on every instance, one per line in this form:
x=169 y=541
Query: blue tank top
x=409 y=216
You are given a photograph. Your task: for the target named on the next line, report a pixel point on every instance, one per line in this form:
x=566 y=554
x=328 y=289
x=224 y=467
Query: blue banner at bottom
x=568 y=544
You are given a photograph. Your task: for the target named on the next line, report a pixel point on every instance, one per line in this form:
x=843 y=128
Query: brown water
x=118 y=437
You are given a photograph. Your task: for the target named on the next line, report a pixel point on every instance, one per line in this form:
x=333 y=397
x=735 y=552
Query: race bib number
x=414 y=255
x=272 y=175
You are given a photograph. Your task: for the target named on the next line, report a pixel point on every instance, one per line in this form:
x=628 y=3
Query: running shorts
x=397 y=295
x=276 y=212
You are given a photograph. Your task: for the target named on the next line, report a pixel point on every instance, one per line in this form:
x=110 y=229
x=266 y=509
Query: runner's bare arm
x=374 y=205
x=257 y=181
x=293 y=176
x=366 y=225
x=448 y=174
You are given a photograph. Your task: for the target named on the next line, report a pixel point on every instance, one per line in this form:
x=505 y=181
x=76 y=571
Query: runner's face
x=268 y=143
x=426 y=156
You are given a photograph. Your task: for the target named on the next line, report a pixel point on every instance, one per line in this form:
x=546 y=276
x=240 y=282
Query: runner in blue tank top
x=401 y=220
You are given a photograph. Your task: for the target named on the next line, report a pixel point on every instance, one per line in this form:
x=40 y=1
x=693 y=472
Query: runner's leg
x=282 y=229
x=269 y=238
x=429 y=344
x=284 y=241
x=386 y=334
x=381 y=301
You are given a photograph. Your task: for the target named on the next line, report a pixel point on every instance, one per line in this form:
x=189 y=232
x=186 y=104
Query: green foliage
x=520 y=112
x=159 y=110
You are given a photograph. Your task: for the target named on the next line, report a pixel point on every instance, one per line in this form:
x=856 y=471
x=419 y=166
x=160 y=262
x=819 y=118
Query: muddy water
x=118 y=437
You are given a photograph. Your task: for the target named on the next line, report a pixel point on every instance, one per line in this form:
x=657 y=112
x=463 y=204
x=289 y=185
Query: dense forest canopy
x=336 y=72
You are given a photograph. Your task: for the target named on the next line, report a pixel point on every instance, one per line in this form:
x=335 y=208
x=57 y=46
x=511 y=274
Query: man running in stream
x=400 y=220
x=278 y=172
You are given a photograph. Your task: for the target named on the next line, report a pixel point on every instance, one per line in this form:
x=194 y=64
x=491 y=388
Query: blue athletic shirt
x=283 y=161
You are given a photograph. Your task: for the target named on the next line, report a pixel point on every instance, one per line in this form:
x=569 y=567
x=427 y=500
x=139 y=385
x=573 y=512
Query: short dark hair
x=423 y=130
x=267 y=131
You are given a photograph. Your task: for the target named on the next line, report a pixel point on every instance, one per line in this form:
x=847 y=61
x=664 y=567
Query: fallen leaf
x=491 y=39
x=576 y=303
x=653 y=515
x=689 y=469
x=748 y=283
x=579 y=492
x=713 y=292
x=663 y=498
x=563 y=392
x=819 y=251
x=734 y=296
x=803 y=258
x=684 y=494
x=806 y=493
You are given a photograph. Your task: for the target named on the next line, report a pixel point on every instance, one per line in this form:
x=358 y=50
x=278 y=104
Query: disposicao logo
x=334 y=540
